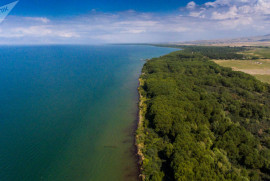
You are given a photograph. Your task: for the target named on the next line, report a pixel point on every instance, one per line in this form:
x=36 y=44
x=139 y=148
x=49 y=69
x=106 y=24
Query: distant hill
x=256 y=40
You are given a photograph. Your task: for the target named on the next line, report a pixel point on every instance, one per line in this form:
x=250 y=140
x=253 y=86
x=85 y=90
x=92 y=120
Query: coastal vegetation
x=202 y=121
x=218 y=52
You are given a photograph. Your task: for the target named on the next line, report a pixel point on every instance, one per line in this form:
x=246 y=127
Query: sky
x=132 y=21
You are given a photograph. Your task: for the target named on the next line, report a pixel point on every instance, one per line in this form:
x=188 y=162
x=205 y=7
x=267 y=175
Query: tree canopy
x=203 y=121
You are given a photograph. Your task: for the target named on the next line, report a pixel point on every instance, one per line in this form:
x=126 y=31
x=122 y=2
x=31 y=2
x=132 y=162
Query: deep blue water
x=66 y=112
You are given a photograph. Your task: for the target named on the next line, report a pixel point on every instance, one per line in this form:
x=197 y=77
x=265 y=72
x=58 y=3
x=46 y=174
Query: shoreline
x=139 y=130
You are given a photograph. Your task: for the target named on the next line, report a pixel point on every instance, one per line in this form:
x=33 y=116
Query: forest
x=201 y=121
x=219 y=52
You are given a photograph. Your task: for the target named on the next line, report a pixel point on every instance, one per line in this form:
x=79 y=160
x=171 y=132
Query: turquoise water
x=68 y=112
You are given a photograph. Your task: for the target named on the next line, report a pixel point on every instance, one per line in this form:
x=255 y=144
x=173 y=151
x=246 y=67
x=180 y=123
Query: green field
x=245 y=64
x=259 y=68
x=262 y=52
x=263 y=78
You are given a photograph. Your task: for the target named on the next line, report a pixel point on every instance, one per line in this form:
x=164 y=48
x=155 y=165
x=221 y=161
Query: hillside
x=255 y=40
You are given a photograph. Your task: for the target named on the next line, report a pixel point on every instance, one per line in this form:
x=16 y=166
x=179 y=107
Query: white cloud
x=235 y=14
x=231 y=14
x=133 y=31
x=198 y=14
x=263 y=7
x=40 y=19
x=212 y=20
x=34 y=27
x=218 y=3
x=233 y=8
x=96 y=27
x=191 y=5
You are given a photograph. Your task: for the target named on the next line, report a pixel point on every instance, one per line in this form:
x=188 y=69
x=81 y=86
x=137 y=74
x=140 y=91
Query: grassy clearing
x=263 y=78
x=245 y=64
x=259 y=68
x=261 y=52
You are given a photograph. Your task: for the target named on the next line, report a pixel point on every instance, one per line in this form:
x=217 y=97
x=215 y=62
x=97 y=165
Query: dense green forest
x=202 y=121
x=215 y=52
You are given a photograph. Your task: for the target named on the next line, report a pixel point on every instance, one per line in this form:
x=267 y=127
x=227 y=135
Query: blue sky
x=132 y=21
x=68 y=7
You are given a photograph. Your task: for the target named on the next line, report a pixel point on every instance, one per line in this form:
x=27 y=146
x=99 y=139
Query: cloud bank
x=211 y=20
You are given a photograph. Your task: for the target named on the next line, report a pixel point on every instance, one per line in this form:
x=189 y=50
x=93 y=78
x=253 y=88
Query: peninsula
x=202 y=121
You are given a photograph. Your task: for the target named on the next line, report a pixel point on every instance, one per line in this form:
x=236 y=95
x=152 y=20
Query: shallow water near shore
x=68 y=112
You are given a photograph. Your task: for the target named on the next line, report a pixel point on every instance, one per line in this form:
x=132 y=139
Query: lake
x=69 y=112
